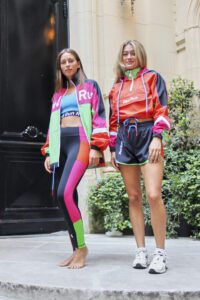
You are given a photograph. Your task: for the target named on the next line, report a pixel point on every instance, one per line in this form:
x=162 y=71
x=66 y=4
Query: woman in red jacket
x=138 y=115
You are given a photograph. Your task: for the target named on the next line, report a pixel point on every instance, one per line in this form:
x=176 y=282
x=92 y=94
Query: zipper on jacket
x=131 y=87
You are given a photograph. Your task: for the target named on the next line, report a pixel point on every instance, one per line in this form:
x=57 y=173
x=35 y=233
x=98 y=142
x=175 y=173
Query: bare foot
x=79 y=259
x=67 y=261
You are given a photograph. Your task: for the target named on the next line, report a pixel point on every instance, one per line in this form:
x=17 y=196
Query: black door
x=31 y=34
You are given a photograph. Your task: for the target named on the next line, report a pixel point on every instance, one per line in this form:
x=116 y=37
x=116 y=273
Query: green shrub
x=108 y=203
x=184 y=187
x=181 y=184
x=108 y=206
x=184 y=133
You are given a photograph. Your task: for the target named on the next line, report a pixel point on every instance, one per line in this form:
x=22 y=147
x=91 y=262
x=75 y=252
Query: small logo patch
x=120 y=148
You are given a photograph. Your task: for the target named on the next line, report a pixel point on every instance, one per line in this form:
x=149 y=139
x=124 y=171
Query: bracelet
x=157 y=135
x=95 y=148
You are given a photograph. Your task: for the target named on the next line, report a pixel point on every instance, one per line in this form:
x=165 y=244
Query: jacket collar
x=139 y=74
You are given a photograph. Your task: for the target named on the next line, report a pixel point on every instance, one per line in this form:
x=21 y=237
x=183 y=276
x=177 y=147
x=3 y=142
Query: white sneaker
x=158 y=263
x=141 y=259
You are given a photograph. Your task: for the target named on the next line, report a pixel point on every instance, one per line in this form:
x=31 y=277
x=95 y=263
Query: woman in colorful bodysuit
x=138 y=115
x=76 y=139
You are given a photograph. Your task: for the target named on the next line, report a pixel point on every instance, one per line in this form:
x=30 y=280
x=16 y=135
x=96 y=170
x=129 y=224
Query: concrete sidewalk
x=28 y=270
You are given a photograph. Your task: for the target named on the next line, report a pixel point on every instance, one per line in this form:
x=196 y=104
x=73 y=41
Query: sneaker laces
x=158 y=255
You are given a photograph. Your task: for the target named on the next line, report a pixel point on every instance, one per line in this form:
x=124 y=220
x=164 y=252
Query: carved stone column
x=192 y=36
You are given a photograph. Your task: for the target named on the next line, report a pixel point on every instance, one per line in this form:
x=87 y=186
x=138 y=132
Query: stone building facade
x=169 y=30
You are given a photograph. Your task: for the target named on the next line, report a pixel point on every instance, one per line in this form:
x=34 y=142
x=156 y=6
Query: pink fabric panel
x=160 y=126
x=74 y=177
x=112 y=141
x=57 y=100
x=83 y=136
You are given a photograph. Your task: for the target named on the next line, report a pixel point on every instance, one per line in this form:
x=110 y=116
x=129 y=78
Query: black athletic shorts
x=132 y=143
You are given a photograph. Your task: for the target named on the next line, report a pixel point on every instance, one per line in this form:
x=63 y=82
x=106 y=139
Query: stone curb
x=33 y=292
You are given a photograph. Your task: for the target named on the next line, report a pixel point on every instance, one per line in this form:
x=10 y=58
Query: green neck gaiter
x=131 y=74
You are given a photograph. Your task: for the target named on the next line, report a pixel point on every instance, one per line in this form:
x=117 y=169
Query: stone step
x=31 y=292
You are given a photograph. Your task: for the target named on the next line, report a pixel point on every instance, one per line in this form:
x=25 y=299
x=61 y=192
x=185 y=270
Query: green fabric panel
x=46 y=150
x=85 y=113
x=54 y=138
x=78 y=226
x=136 y=164
x=132 y=73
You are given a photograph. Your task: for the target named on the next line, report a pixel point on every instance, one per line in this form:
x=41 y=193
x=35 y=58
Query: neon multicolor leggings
x=74 y=158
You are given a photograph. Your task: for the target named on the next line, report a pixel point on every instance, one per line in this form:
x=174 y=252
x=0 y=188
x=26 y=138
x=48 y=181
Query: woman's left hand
x=94 y=158
x=155 y=150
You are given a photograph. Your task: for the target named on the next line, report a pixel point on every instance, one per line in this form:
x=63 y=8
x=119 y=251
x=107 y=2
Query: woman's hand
x=47 y=164
x=113 y=161
x=94 y=158
x=155 y=150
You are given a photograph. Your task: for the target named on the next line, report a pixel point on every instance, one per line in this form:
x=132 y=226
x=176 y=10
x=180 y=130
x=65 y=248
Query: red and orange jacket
x=144 y=97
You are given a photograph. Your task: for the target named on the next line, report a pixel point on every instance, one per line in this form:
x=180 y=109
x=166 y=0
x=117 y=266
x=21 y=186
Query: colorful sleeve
x=160 y=113
x=45 y=147
x=99 y=138
x=112 y=123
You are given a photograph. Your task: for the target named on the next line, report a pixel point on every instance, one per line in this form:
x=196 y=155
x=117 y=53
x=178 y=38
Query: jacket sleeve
x=112 y=122
x=99 y=137
x=45 y=147
x=160 y=110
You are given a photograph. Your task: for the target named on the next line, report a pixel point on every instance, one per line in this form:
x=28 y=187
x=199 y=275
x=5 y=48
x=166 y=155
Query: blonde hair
x=61 y=80
x=139 y=52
